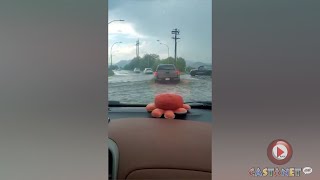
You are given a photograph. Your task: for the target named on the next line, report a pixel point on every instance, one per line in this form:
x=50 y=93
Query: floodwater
x=139 y=88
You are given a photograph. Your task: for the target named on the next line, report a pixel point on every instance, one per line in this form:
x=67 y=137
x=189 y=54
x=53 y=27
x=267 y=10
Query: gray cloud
x=156 y=19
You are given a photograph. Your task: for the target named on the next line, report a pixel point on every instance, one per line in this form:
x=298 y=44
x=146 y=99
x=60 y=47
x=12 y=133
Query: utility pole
x=137 y=48
x=175 y=32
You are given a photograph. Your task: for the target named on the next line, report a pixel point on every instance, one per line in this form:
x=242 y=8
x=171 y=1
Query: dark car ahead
x=201 y=71
x=167 y=73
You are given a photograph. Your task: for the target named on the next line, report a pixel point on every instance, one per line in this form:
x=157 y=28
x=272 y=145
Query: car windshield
x=154 y=54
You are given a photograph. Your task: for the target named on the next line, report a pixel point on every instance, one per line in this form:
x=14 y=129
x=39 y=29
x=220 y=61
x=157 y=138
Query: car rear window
x=166 y=67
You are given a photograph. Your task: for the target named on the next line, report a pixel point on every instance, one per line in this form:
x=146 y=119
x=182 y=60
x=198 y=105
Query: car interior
x=142 y=147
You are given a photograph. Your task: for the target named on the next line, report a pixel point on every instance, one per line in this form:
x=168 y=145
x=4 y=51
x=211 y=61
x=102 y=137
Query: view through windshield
x=159 y=46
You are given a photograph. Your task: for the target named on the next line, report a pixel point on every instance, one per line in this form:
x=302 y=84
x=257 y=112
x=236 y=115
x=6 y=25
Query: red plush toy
x=167 y=104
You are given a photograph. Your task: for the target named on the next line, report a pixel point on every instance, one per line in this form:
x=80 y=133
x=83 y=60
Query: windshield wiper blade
x=113 y=102
x=195 y=104
x=119 y=104
x=200 y=104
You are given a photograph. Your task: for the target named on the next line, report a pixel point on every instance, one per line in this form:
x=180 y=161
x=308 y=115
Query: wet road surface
x=140 y=88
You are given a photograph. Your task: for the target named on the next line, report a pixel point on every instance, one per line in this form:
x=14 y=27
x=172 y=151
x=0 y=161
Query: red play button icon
x=279 y=152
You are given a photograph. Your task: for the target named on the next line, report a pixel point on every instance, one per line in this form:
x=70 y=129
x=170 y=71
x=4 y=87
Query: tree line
x=152 y=61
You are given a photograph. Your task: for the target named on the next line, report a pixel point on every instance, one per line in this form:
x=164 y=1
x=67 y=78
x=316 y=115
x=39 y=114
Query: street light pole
x=165 y=45
x=111 y=51
x=115 y=42
x=115 y=20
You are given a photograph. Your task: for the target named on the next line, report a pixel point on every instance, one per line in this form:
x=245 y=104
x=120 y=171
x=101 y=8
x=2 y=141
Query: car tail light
x=178 y=72
x=155 y=73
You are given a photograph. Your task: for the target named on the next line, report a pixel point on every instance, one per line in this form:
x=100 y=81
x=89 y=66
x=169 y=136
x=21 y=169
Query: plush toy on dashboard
x=168 y=105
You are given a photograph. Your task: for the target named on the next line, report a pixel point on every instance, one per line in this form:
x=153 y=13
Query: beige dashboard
x=150 y=148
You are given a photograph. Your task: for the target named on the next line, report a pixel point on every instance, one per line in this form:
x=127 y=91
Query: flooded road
x=133 y=88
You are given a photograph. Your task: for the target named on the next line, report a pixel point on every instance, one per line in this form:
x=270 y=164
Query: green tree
x=152 y=61
x=147 y=61
x=110 y=72
x=113 y=67
x=181 y=64
x=169 y=60
x=127 y=67
x=134 y=63
x=155 y=65
x=189 y=68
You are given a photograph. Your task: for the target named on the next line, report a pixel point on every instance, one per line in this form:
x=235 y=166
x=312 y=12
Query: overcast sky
x=152 y=20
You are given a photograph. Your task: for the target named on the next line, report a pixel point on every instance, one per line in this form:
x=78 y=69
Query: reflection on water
x=130 y=87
